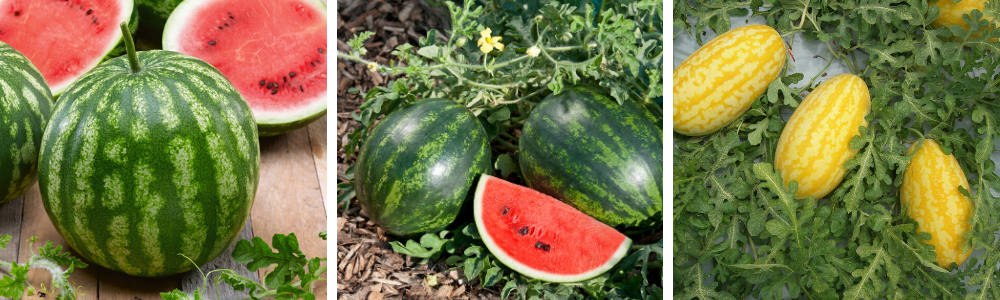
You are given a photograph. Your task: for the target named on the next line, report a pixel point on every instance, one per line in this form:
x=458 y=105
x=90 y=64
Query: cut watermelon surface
x=274 y=52
x=63 y=38
x=542 y=237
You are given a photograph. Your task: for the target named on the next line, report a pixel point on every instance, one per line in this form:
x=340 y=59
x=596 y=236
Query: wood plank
x=317 y=140
x=194 y=280
x=35 y=222
x=116 y=285
x=289 y=197
x=10 y=224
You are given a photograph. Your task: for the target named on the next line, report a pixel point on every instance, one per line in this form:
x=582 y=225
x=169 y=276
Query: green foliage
x=50 y=258
x=738 y=233
x=637 y=276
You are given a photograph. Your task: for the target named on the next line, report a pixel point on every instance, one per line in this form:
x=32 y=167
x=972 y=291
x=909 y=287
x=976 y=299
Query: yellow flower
x=372 y=67
x=486 y=43
x=533 y=51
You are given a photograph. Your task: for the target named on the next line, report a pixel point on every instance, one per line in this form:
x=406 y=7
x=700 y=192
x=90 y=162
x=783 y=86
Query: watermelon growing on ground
x=416 y=167
x=542 y=237
x=605 y=159
x=64 y=39
x=274 y=52
x=25 y=107
x=147 y=158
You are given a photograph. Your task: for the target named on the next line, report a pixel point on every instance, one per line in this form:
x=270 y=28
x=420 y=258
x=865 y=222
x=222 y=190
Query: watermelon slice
x=63 y=38
x=274 y=52
x=542 y=237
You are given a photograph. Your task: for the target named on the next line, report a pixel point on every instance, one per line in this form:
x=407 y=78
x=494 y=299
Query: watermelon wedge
x=542 y=237
x=274 y=52
x=63 y=39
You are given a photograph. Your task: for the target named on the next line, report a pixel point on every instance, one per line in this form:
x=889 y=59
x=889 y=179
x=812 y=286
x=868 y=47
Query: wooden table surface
x=291 y=197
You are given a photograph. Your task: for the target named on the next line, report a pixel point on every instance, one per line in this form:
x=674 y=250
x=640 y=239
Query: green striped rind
x=600 y=157
x=25 y=107
x=417 y=166
x=139 y=169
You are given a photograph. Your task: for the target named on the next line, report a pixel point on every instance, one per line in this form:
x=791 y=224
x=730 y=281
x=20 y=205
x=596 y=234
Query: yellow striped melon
x=719 y=82
x=951 y=12
x=814 y=145
x=929 y=194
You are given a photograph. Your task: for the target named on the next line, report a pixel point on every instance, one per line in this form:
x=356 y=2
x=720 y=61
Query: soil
x=367 y=268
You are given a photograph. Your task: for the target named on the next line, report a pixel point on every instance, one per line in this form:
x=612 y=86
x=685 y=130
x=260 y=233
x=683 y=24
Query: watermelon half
x=542 y=237
x=274 y=52
x=63 y=38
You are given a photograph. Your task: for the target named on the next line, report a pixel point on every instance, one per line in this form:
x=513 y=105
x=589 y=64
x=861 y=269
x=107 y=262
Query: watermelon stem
x=133 y=59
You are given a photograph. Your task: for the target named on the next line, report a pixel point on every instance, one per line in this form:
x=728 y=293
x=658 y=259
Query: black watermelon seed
x=220 y=27
x=546 y=247
x=301 y=90
x=89 y=11
x=263 y=82
x=273 y=85
x=95 y=20
x=292 y=74
x=285 y=78
x=320 y=50
x=312 y=63
x=274 y=91
x=523 y=231
x=505 y=210
x=227 y=24
x=538 y=245
x=17 y=13
x=230 y=17
x=211 y=43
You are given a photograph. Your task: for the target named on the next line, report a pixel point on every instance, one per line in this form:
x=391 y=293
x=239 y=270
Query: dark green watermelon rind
x=137 y=169
x=416 y=168
x=602 y=158
x=513 y=263
x=25 y=107
x=279 y=129
x=133 y=26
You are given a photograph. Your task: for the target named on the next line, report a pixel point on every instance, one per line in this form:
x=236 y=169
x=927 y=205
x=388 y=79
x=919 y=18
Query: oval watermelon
x=282 y=76
x=140 y=167
x=602 y=158
x=541 y=237
x=416 y=168
x=65 y=39
x=25 y=107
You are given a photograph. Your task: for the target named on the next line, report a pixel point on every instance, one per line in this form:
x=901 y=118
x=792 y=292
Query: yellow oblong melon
x=951 y=12
x=930 y=195
x=815 y=143
x=719 y=81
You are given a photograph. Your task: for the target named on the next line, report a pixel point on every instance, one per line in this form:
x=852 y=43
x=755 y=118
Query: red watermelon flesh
x=63 y=38
x=542 y=237
x=274 y=52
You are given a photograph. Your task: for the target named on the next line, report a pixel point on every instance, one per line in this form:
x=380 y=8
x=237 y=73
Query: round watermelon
x=542 y=237
x=25 y=107
x=149 y=159
x=601 y=157
x=274 y=52
x=416 y=168
x=65 y=39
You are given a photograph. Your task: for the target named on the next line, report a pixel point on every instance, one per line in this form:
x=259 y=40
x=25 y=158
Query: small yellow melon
x=930 y=195
x=815 y=143
x=719 y=82
x=951 y=12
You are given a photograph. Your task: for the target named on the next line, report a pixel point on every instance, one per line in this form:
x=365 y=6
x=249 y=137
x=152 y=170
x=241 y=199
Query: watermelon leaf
x=258 y=255
x=4 y=239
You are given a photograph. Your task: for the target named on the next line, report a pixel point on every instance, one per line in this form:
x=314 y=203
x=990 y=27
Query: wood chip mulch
x=367 y=267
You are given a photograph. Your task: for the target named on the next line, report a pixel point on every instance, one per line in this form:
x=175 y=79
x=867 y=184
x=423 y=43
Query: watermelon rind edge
x=509 y=261
x=268 y=124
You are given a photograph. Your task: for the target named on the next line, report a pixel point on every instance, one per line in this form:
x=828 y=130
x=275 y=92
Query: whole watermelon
x=140 y=166
x=602 y=158
x=417 y=166
x=25 y=107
